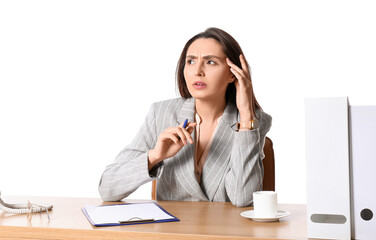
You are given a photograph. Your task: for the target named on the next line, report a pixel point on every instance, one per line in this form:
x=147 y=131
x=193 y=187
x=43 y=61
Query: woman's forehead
x=205 y=46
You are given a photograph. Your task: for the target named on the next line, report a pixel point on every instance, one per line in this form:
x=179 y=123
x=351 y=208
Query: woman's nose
x=199 y=71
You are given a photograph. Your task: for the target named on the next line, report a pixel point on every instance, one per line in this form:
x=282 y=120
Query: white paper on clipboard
x=113 y=214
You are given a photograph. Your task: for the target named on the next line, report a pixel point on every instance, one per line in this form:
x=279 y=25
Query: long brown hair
x=232 y=50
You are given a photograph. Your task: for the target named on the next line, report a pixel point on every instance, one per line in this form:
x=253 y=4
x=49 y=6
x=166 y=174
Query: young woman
x=218 y=155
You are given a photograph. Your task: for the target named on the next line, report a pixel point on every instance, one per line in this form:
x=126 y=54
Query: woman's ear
x=232 y=79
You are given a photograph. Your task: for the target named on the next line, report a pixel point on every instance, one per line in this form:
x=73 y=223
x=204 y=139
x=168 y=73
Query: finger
x=237 y=84
x=240 y=79
x=181 y=134
x=191 y=126
x=188 y=133
x=244 y=64
x=170 y=136
x=190 y=129
x=233 y=66
x=176 y=139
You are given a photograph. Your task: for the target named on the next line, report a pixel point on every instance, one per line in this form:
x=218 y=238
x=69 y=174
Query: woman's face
x=206 y=71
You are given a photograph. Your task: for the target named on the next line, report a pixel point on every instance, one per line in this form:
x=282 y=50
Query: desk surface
x=205 y=220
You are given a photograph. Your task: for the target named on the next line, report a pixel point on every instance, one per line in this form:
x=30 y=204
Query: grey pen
x=137 y=220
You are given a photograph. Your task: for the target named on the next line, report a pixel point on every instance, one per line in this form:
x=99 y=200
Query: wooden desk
x=198 y=220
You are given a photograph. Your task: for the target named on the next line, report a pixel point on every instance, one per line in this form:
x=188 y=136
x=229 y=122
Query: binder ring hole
x=328 y=218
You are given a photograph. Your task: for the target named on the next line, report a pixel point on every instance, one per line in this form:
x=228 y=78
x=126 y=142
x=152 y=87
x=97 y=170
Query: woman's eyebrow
x=204 y=57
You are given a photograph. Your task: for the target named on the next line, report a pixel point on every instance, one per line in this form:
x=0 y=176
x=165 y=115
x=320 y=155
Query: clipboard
x=127 y=214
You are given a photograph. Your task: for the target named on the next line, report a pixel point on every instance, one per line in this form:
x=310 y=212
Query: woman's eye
x=189 y=61
x=211 y=62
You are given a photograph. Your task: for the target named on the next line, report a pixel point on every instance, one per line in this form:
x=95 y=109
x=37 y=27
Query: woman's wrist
x=247 y=122
x=245 y=117
x=246 y=125
x=152 y=159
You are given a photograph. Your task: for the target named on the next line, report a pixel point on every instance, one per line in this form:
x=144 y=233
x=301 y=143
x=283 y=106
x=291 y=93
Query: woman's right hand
x=169 y=143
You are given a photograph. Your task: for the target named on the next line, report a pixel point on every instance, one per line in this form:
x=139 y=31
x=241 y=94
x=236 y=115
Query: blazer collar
x=187 y=111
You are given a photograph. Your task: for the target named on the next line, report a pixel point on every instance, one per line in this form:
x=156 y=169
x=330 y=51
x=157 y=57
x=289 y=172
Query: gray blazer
x=232 y=172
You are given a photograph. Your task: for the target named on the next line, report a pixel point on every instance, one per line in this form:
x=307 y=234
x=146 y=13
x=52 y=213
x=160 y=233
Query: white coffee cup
x=265 y=204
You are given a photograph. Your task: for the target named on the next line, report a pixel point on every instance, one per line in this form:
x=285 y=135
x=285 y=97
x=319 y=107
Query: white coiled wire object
x=27 y=208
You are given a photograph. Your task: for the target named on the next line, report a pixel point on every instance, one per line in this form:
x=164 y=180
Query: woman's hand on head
x=170 y=142
x=244 y=92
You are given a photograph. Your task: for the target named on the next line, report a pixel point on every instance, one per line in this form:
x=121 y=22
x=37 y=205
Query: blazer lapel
x=185 y=158
x=220 y=151
x=187 y=111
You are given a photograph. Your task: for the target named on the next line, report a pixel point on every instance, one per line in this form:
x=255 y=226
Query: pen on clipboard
x=137 y=220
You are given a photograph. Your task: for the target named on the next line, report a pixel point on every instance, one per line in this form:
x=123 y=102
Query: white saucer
x=251 y=214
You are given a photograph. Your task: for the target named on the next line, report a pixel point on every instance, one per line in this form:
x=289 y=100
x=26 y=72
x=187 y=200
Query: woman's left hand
x=244 y=92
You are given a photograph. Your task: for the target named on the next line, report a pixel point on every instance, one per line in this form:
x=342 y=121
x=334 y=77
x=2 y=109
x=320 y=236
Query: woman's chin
x=206 y=97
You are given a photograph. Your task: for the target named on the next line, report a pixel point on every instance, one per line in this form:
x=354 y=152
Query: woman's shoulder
x=265 y=120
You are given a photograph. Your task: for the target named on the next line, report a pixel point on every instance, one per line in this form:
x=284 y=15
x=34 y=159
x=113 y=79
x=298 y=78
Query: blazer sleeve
x=130 y=168
x=246 y=172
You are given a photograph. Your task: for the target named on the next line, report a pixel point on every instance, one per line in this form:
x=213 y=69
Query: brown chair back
x=268 y=182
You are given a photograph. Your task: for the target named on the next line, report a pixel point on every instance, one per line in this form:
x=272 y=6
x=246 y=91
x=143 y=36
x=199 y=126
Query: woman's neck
x=210 y=111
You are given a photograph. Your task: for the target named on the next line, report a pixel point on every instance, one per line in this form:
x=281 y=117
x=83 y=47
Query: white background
x=78 y=77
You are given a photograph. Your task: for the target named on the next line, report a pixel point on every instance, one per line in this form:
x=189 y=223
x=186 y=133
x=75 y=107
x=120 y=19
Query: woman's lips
x=199 y=85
